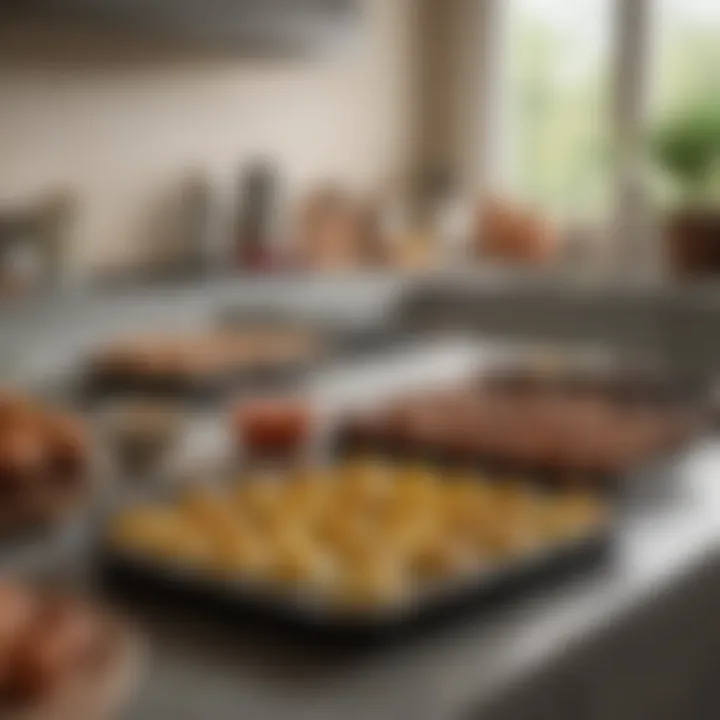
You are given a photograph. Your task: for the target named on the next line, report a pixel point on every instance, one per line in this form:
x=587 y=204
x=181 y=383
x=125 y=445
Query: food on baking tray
x=56 y=650
x=363 y=532
x=535 y=425
x=44 y=455
x=204 y=355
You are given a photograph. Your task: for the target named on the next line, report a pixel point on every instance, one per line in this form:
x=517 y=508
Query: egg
x=17 y=409
x=23 y=452
x=62 y=638
x=17 y=609
x=67 y=441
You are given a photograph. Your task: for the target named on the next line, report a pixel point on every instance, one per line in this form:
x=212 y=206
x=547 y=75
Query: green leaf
x=686 y=144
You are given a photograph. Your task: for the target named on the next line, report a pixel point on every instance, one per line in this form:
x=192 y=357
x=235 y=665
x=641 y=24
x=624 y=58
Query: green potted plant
x=686 y=147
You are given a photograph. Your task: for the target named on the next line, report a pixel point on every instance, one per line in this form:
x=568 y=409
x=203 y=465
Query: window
x=687 y=58
x=582 y=83
x=558 y=105
x=686 y=94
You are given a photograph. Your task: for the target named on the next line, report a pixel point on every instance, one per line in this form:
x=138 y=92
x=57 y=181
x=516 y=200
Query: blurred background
x=459 y=258
x=137 y=138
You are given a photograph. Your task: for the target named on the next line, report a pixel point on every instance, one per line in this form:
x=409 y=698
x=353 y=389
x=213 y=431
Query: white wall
x=119 y=121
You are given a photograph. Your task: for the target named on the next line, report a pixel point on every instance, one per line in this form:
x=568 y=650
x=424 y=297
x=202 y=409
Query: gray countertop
x=204 y=669
x=676 y=322
x=472 y=664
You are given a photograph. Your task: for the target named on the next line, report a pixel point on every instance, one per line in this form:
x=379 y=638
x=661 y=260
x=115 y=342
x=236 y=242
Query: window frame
x=631 y=237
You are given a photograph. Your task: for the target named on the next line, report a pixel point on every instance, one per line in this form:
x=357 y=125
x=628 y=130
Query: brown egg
x=17 y=609
x=67 y=444
x=55 y=647
x=22 y=453
x=16 y=408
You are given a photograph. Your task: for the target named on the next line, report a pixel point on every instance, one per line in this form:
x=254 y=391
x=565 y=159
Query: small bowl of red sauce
x=273 y=427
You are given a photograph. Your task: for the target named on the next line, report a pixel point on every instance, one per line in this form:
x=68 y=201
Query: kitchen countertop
x=489 y=662
x=202 y=668
x=675 y=321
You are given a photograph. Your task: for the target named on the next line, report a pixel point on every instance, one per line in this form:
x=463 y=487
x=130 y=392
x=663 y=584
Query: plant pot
x=693 y=242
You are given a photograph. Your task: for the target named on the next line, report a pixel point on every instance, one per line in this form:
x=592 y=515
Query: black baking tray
x=629 y=386
x=132 y=574
x=98 y=385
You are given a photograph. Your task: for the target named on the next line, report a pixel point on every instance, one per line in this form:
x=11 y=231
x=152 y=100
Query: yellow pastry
x=295 y=560
x=160 y=533
x=207 y=508
x=259 y=500
x=362 y=533
x=243 y=554
x=376 y=581
x=439 y=556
